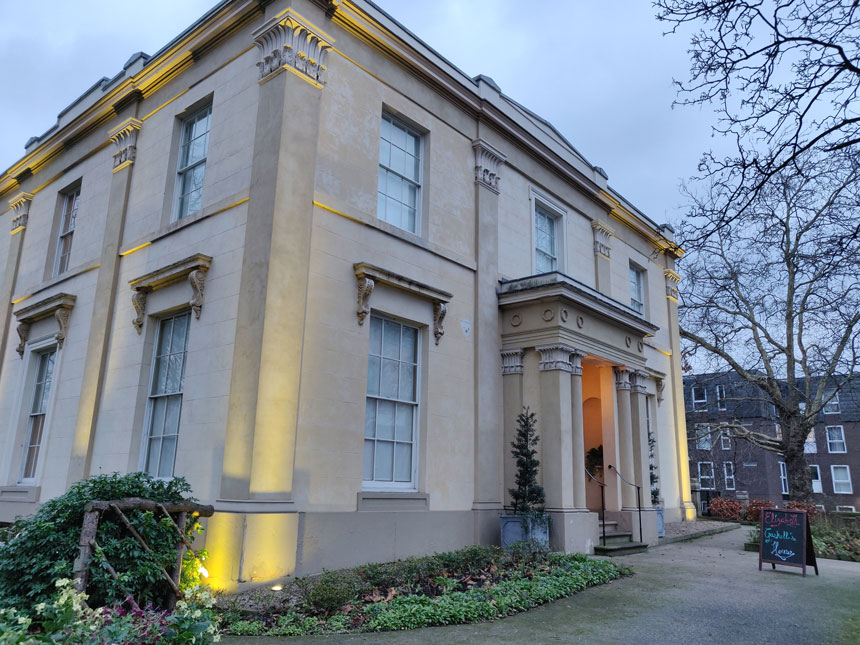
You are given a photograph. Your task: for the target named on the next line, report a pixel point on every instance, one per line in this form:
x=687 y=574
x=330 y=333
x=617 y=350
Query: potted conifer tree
x=528 y=522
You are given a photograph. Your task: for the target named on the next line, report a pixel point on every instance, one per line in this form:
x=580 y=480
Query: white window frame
x=150 y=398
x=783 y=478
x=705 y=440
x=725 y=440
x=559 y=214
x=816 y=479
x=697 y=402
x=410 y=129
x=833 y=469
x=832 y=406
x=721 y=397
x=810 y=447
x=638 y=279
x=713 y=476
x=182 y=170
x=777 y=431
x=845 y=508
x=66 y=229
x=411 y=486
x=831 y=442
x=729 y=474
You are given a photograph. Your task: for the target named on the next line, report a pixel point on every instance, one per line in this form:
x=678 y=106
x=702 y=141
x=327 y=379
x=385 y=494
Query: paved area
x=702 y=591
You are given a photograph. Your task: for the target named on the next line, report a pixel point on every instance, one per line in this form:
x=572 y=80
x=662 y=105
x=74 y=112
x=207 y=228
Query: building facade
x=301 y=260
x=730 y=467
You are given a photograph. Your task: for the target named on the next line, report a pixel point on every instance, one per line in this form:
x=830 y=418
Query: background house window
x=391 y=416
x=706 y=475
x=637 y=289
x=729 y=474
x=38 y=411
x=809 y=446
x=815 y=475
x=841 y=480
x=725 y=440
x=192 y=161
x=165 y=395
x=546 y=246
x=721 y=397
x=845 y=509
x=703 y=439
x=67 y=230
x=783 y=478
x=399 y=174
x=832 y=406
x=835 y=439
x=700 y=398
x=750 y=464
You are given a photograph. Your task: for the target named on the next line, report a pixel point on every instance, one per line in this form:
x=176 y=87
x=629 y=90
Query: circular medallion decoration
x=580 y=321
x=563 y=315
x=628 y=341
x=516 y=320
x=548 y=315
x=641 y=346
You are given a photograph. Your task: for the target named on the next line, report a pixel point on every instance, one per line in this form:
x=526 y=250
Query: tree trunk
x=797 y=469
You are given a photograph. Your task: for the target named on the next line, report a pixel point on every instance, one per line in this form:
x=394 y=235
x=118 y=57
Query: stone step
x=614 y=550
x=617 y=537
x=610 y=526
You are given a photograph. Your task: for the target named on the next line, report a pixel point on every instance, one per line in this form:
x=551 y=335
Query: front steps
x=617 y=542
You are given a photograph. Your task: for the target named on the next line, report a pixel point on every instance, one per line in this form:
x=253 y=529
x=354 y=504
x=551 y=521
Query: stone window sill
x=393 y=501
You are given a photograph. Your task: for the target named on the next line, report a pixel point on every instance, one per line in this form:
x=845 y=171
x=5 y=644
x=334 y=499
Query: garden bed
x=474 y=584
x=830 y=543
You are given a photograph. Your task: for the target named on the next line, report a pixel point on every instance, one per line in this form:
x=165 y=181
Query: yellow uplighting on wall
x=137 y=248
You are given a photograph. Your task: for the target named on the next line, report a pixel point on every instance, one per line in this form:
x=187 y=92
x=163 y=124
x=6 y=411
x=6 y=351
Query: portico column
x=512 y=394
x=638 y=401
x=578 y=431
x=555 y=424
x=625 y=437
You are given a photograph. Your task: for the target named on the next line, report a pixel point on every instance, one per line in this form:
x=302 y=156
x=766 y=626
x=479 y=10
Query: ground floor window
x=815 y=474
x=845 y=509
x=706 y=475
x=391 y=411
x=729 y=474
x=38 y=411
x=783 y=478
x=841 y=480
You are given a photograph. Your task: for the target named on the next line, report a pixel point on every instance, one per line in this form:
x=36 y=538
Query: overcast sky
x=600 y=70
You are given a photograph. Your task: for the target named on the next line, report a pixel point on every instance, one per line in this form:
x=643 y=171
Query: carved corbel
x=59 y=306
x=20 y=205
x=62 y=317
x=24 y=336
x=488 y=161
x=602 y=233
x=661 y=385
x=124 y=138
x=365 y=288
x=439 y=311
x=138 y=301
x=197 y=278
x=672 y=280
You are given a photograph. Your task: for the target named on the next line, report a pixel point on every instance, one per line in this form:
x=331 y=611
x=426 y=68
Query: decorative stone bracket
x=488 y=161
x=20 y=205
x=602 y=232
x=368 y=276
x=193 y=268
x=124 y=137
x=672 y=280
x=59 y=306
x=289 y=41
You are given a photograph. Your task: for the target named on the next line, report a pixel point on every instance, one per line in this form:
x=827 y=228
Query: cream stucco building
x=303 y=261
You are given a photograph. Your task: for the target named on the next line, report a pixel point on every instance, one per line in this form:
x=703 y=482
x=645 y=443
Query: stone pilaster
x=20 y=206
x=512 y=396
x=625 y=438
x=555 y=425
x=602 y=252
x=578 y=431
x=638 y=401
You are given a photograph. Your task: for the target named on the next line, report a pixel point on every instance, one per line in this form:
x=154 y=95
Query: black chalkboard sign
x=786 y=539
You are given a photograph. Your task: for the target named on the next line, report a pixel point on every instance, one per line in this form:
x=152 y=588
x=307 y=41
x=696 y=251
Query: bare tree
x=772 y=292
x=783 y=76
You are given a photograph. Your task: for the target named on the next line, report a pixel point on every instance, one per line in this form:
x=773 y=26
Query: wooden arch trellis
x=93 y=512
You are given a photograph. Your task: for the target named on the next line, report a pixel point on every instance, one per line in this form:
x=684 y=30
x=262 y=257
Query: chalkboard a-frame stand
x=786 y=539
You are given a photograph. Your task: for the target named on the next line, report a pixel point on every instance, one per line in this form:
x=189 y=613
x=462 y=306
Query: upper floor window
x=841 y=480
x=721 y=397
x=810 y=446
x=703 y=439
x=832 y=406
x=637 y=289
x=66 y=230
x=700 y=398
x=707 y=480
x=193 y=148
x=725 y=440
x=835 y=438
x=546 y=240
x=783 y=478
x=729 y=474
x=38 y=412
x=399 y=174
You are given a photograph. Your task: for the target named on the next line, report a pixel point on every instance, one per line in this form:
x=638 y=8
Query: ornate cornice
x=193 y=268
x=622 y=378
x=124 y=137
x=488 y=161
x=512 y=361
x=555 y=357
x=602 y=232
x=59 y=306
x=289 y=41
x=20 y=205
x=672 y=280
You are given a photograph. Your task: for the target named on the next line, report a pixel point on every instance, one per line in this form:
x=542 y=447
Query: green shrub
x=248 y=628
x=42 y=548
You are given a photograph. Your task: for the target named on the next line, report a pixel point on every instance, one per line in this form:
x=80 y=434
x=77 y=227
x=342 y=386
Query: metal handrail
x=638 y=496
x=602 y=502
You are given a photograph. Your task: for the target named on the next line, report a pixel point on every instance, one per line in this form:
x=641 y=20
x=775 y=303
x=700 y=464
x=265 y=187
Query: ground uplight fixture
x=277 y=588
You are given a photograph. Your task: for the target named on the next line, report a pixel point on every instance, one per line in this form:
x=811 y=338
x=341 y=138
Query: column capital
x=602 y=232
x=622 y=378
x=124 y=137
x=289 y=41
x=20 y=205
x=555 y=357
x=576 y=362
x=672 y=280
x=488 y=161
x=637 y=381
x=512 y=361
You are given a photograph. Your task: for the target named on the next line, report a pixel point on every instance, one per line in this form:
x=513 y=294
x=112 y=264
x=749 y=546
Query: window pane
x=373 y=369
x=152 y=456
x=159 y=411
x=407 y=382
x=376 y=336
x=384 y=153
x=403 y=462
x=385 y=420
x=171 y=418
x=370 y=418
x=392 y=212
x=383 y=461
x=391 y=340
x=404 y=422
x=168 y=451
x=409 y=345
x=388 y=387
x=368 y=461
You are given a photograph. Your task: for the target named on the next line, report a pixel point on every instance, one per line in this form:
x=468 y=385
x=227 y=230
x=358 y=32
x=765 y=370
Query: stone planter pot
x=520 y=528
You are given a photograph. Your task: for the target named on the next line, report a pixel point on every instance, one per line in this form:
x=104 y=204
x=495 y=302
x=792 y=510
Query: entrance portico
x=576 y=358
